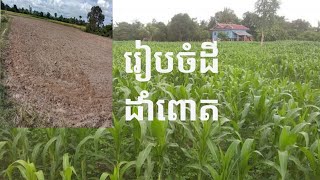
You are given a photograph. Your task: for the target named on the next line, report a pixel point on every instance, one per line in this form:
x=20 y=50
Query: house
x=234 y=32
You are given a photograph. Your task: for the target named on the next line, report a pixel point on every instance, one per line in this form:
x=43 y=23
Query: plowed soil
x=63 y=73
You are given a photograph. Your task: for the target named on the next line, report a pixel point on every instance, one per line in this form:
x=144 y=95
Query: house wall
x=230 y=34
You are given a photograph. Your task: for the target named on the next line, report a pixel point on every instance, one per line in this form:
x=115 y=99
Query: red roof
x=220 y=26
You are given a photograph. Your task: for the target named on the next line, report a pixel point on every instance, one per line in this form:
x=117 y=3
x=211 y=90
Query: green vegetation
x=95 y=25
x=223 y=36
x=181 y=28
x=102 y=30
x=81 y=27
x=269 y=113
x=6 y=109
x=264 y=25
x=266 y=11
x=268 y=126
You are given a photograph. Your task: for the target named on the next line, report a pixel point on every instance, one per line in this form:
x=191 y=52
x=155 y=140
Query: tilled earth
x=64 y=74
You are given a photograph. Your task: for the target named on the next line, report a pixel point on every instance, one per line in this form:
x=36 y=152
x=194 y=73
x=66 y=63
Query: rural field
x=268 y=128
x=59 y=75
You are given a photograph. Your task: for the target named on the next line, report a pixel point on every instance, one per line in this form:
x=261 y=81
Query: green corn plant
x=202 y=139
x=139 y=129
x=68 y=169
x=36 y=152
x=27 y=170
x=52 y=162
x=281 y=168
x=269 y=103
x=78 y=154
x=18 y=144
x=312 y=155
x=158 y=130
x=118 y=171
x=225 y=161
x=287 y=138
x=116 y=132
x=2 y=150
x=246 y=153
x=142 y=157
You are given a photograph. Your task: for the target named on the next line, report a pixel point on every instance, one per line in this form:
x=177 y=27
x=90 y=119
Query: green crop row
x=268 y=128
x=269 y=101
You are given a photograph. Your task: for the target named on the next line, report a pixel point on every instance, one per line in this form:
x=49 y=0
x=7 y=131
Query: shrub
x=4 y=19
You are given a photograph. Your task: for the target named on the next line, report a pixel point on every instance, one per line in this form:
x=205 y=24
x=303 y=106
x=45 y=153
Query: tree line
x=264 y=24
x=94 y=25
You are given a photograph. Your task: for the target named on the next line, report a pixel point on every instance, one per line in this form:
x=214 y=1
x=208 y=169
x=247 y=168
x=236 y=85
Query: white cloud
x=85 y=7
x=56 y=3
x=103 y=4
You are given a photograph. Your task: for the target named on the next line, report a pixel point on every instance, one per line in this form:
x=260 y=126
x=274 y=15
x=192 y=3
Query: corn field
x=268 y=128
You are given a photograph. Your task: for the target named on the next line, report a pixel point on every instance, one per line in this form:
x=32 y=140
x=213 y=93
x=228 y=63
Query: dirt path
x=63 y=73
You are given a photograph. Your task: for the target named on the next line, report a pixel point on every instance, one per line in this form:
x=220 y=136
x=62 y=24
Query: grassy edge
x=6 y=107
x=11 y=113
x=82 y=28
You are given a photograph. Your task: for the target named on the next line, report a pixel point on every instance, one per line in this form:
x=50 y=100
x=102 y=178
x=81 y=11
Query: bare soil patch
x=63 y=73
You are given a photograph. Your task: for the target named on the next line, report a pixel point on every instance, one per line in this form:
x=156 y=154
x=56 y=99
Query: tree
x=48 y=15
x=2 y=6
x=212 y=23
x=15 y=8
x=138 y=30
x=309 y=35
x=181 y=28
x=60 y=18
x=278 y=30
x=300 y=25
x=122 y=31
x=107 y=31
x=250 y=20
x=226 y=16
x=161 y=32
x=157 y=31
x=55 y=15
x=95 y=18
x=7 y=7
x=266 y=10
x=318 y=28
x=202 y=33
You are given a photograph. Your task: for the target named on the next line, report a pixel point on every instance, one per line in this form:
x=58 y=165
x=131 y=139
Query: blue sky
x=67 y=8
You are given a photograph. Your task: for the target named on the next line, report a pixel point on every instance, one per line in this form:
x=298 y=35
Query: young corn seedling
x=27 y=170
x=118 y=171
x=68 y=169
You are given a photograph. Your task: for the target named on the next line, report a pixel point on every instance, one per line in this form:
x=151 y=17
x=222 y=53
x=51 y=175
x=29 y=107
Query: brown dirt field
x=64 y=74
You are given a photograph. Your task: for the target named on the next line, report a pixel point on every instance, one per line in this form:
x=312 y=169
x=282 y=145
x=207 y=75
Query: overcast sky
x=163 y=10
x=68 y=8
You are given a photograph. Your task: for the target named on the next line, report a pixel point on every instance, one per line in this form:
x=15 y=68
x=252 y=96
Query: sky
x=67 y=8
x=164 y=10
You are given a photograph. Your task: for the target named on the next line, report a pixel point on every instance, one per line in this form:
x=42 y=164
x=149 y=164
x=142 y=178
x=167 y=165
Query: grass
x=6 y=107
x=83 y=28
x=12 y=114
x=268 y=126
